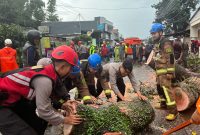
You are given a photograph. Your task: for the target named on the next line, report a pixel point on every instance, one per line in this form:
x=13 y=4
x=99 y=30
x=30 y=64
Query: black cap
x=128 y=64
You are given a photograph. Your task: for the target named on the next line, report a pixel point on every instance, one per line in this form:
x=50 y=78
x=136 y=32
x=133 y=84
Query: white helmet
x=44 y=62
x=8 y=42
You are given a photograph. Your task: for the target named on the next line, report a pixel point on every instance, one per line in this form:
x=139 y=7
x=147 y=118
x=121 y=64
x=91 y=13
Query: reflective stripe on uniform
x=169 y=102
x=107 y=91
x=86 y=98
x=22 y=77
x=170 y=69
x=161 y=71
x=15 y=79
x=83 y=60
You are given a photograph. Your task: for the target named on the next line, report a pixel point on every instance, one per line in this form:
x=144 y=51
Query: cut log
x=124 y=117
x=187 y=93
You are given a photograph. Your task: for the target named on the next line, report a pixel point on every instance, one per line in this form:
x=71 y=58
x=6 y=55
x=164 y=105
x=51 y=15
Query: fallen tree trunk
x=187 y=93
x=181 y=73
x=125 y=117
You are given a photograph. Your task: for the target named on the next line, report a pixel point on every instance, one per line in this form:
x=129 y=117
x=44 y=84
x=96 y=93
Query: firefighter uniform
x=80 y=83
x=165 y=69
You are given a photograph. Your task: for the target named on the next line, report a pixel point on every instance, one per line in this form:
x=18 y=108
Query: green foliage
x=136 y=115
x=28 y=13
x=193 y=62
x=51 y=9
x=174 y=14
x=140 y=113
x=11 y=31
x=98 y=121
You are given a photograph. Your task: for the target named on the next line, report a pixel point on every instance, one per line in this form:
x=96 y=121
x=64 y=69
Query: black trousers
x=12 y=124
x=96 y=92
x=21 y=119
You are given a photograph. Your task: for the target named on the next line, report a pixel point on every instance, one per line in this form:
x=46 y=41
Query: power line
x=167 y=11
x=178 y=12
x=88 y=8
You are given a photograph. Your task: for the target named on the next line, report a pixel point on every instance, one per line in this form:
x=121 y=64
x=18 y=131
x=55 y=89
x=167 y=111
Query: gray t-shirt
x=111 y=72
x=43 y=89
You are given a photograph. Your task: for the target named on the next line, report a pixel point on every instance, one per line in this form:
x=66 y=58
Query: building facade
x=74 y=28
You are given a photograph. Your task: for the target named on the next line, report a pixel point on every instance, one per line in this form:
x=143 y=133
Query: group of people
x=122 y=50
x=30 y=96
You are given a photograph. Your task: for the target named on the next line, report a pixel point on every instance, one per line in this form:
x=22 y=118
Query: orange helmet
x=66 y=53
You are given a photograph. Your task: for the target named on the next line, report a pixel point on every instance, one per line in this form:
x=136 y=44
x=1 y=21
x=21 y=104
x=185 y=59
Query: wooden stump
x=187 y=93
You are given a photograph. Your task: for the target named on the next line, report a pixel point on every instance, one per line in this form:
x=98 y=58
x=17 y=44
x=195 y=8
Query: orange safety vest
x=8 y=59
x=198 y=105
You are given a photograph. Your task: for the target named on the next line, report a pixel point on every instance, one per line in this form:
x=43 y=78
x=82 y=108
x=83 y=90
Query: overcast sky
x=134 y=22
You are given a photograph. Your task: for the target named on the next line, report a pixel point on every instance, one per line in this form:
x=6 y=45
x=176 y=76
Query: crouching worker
x=92 y=69
x=114 y=73
x=74 y=80
x=19 y=87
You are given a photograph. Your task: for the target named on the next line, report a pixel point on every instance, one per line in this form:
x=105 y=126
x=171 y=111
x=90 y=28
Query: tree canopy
x=27 y=13
x=174 y=14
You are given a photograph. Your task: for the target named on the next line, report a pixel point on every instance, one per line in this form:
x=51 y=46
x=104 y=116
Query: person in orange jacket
x=8 y=57
x=196 y=115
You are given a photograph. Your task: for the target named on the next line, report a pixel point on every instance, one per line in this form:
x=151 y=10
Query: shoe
x=171 y=117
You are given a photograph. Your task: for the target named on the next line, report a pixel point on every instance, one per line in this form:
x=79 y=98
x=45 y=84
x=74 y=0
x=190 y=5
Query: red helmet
x=66 y=53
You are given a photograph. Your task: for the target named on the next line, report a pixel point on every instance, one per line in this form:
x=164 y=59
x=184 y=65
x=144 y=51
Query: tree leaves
x=175 y=14
x=51 y=11
x=27 y=13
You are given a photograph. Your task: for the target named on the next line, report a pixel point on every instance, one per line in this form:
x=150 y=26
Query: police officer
x=38 y=84
x=114 y=73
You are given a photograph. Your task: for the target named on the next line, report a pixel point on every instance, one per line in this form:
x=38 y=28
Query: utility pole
x=79 y=17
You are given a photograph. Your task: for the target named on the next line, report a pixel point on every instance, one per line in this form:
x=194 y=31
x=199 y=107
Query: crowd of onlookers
x=139 y=52
x=109 y=51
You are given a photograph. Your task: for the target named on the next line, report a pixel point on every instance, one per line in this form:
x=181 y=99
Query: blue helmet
x=76 y=69
x=156 y=27
x=94 y=61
